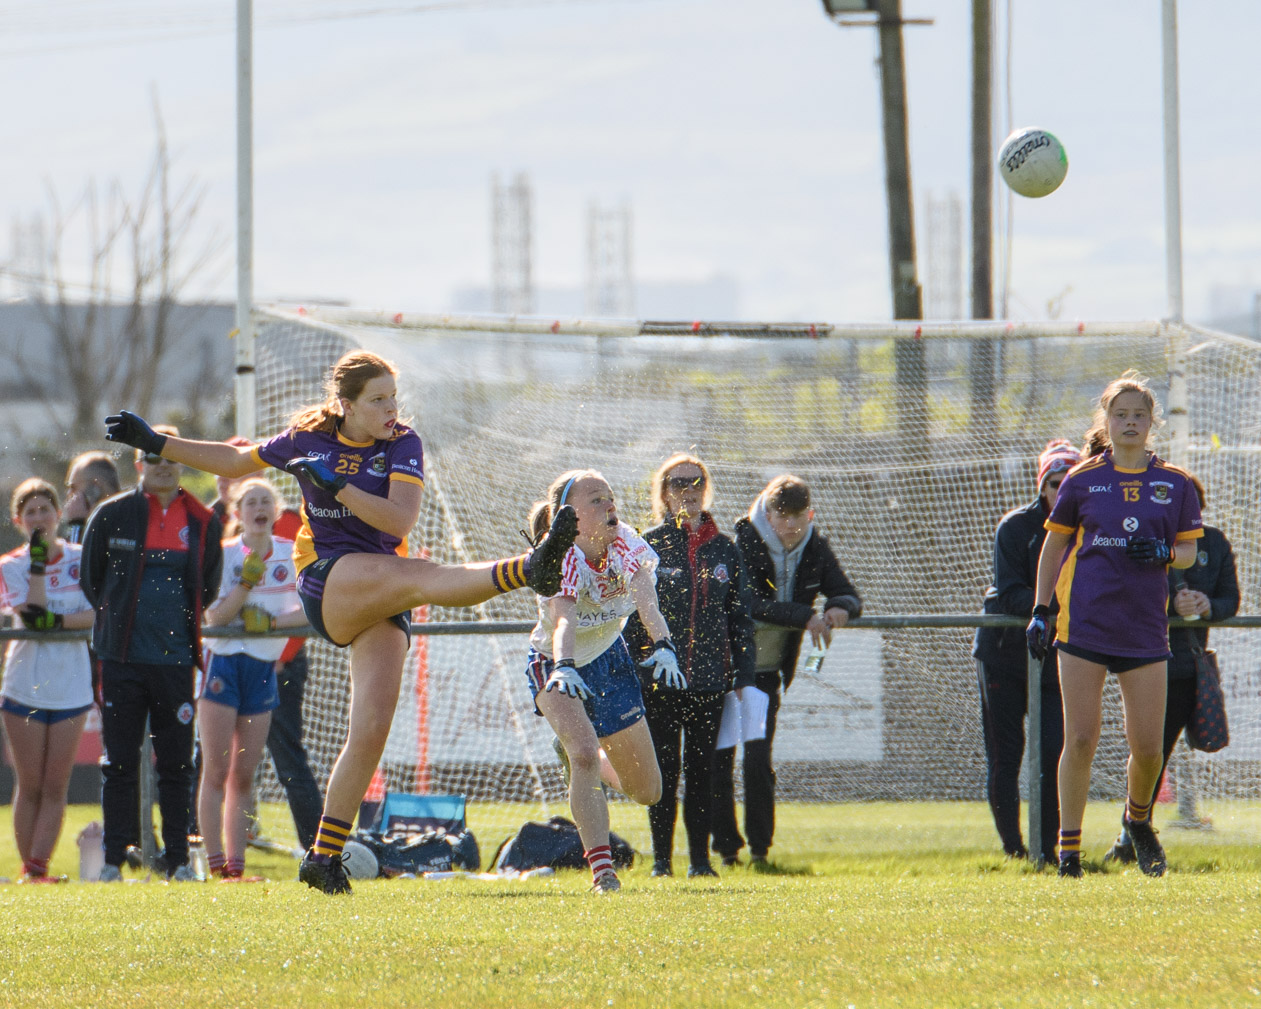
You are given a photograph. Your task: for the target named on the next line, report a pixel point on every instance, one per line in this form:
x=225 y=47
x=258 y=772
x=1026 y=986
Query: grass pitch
x=866 y=905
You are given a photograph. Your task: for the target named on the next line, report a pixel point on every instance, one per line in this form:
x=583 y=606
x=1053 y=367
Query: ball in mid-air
x=1032 y=162
x=359 y=861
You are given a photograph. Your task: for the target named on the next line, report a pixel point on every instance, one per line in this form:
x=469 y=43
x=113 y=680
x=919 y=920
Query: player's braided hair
x=345 y=381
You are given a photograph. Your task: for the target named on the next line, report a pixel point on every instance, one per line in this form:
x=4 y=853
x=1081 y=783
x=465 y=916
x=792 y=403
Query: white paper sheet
x=743 y=717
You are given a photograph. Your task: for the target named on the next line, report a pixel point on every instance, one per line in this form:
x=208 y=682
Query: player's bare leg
x=633 y=761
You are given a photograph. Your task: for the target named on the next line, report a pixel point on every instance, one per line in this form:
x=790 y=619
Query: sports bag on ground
x=554 y=843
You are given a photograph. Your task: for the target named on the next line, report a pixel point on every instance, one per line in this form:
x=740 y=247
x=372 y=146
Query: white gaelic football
x=1032 y=162
x=359 y=861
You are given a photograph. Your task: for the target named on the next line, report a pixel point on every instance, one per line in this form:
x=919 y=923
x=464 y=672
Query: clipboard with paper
x=743 y=717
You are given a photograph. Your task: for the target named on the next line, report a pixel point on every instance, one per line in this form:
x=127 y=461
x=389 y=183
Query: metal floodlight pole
x=246 y=420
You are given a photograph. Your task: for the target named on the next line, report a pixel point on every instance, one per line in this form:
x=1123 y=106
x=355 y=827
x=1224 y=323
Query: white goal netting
x=915 y=441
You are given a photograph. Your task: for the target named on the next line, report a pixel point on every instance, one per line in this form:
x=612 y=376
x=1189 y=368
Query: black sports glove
x=36 y=618
x=315 y=470
x=129 y=429
x=1038 y=633
x=39 y=552
x=1148 y=550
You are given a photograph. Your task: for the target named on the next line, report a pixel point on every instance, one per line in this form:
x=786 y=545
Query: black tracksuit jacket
x=818 y=573
x=702 y=598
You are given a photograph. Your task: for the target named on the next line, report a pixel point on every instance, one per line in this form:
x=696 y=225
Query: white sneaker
x=607 y=883
x=111 y=874
x=183 y=874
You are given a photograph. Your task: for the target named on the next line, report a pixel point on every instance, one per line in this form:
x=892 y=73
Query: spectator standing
x=788 y=565
x=47 y=689
x=1002 y=663
x=1206 y=591
x=701 y=593
x=234 y=711
x=152 y=559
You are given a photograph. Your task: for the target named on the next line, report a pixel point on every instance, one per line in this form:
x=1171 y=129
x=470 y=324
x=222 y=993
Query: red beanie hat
x=1058 y=455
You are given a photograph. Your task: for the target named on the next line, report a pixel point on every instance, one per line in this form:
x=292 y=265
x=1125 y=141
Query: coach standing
x=1003 y=665
x=152 y=559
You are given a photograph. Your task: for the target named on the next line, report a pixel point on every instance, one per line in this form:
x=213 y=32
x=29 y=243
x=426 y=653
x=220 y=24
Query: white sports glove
x=565 y=677
x=665 y=666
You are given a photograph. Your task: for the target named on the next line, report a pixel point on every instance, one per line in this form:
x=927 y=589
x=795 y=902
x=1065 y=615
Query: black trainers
x=327 y=877
x=1150 y=855
x=662 y=867
x=1070 y=866
x=1122 y=850
x=731 y=861
x=700 y=869
x=542 y=567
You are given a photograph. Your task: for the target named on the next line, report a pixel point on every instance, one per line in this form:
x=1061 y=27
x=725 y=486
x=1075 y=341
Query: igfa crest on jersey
x=1201 y=558
x=377 y=465
x=1161 y=491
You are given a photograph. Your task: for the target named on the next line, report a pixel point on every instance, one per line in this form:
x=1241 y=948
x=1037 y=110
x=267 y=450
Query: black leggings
x=692 y=717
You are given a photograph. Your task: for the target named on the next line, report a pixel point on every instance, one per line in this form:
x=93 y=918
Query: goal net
x=915 y=440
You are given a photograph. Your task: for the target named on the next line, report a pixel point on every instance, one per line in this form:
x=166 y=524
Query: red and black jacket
x=113 y=565
x=701 y=594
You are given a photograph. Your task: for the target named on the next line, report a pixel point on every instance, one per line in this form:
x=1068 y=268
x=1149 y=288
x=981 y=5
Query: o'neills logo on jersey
x=1109 y=541
x=1161 y=491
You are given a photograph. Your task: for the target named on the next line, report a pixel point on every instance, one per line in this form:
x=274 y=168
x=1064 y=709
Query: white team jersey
x=277 y=593
x=46 y=674
x=602 y=593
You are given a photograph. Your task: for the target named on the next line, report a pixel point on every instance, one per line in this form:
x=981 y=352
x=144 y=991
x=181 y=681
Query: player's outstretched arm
x=215 y=457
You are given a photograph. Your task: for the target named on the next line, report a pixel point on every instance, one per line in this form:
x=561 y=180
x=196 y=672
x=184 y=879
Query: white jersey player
x=579 y=670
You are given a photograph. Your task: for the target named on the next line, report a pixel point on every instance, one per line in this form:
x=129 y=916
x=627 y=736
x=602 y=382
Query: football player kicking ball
x=361 y=475
x=1121 y=519
x=580 y=671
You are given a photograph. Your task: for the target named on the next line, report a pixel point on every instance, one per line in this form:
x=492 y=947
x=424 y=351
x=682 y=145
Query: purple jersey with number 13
x=1108 y=602
x=328 y=527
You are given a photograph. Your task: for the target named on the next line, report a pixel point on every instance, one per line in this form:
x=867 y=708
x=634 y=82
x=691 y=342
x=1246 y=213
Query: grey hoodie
x=770 y=638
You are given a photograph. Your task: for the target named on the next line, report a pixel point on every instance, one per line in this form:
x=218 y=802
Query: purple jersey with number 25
x=328 y=527
x=1108 y=602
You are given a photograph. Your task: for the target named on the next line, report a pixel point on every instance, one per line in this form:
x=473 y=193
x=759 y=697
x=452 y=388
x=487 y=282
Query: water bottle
x=91 y=852
x=197 y=861
x=814 y=661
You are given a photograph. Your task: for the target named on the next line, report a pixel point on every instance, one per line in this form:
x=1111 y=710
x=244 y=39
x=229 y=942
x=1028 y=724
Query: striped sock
x=1070 y=843
x=509 y=574
x=214 y=862
x=35 y=867
x=1136 y=813
x=600 y=859
x=234 y=867
x=331 y=837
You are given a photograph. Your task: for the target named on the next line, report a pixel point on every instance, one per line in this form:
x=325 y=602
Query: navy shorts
x=49 y=716
x=311 y=581
x=243 y=682
x=615 y=702
x=1113 y=663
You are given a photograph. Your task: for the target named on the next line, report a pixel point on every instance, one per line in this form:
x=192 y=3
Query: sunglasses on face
x=682 y=483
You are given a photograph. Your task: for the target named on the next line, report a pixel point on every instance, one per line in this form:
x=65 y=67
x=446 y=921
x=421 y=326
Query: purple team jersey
x=328 y=527
x=1108 y=602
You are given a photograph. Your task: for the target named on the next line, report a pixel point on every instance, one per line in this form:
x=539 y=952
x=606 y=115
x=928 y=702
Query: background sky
x=745 y=135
